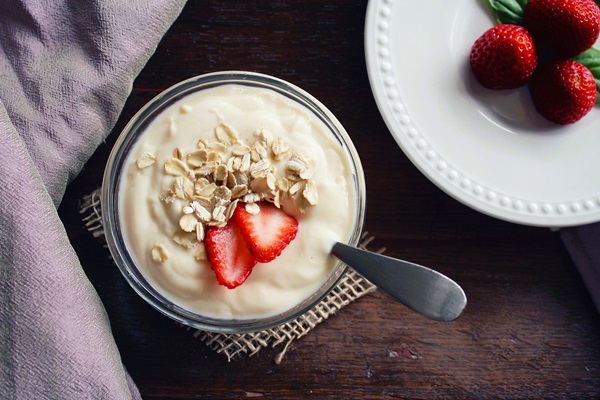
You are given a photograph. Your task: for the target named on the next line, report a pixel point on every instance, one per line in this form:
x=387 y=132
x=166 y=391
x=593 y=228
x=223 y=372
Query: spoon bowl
x=421 y=289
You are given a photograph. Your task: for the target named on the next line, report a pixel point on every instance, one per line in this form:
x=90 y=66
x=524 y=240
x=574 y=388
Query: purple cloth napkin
x=583 y=243
x=66 y=69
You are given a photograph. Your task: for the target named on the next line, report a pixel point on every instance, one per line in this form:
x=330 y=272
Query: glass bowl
x=111 y=213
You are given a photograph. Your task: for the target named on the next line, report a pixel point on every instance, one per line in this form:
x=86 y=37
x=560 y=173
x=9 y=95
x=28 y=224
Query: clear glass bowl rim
x=110 y=209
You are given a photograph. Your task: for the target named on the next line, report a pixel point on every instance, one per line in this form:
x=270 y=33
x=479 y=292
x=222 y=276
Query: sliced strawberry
x=268 y=232
x=229 y=255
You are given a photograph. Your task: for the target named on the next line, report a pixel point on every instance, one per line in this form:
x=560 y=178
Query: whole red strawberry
x=567 y=26
x=504 y=57
x=563 y=91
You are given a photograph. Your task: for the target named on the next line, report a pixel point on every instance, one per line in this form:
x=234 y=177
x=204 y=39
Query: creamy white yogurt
x=272 y=287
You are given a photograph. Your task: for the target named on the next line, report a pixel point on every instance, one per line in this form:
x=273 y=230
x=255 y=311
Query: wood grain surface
x=530 y=329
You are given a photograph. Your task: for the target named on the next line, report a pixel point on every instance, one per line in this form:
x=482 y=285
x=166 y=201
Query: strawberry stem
x=508 y=11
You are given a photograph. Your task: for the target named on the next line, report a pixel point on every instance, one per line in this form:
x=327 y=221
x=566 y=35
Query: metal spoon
x=419 y=288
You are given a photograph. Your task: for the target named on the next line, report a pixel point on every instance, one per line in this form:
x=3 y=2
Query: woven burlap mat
x=351 y=287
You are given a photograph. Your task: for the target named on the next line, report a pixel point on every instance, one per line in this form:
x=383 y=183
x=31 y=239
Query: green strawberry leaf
x=508 y=11
x=591 y=59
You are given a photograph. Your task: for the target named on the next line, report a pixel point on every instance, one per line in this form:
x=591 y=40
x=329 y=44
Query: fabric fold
x=583 y=244
x=66 y=69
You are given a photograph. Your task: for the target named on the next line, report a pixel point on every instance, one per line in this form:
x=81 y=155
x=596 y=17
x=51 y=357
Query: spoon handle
x=419 y=288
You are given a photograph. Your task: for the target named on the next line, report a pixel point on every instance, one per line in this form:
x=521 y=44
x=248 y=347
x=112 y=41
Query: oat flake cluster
x=211 y=180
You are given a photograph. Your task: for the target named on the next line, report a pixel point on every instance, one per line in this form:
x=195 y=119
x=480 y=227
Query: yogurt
x=150 y=222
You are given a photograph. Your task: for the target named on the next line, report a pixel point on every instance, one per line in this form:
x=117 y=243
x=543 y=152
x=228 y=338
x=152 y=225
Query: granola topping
x=145 y=160
x=160 y=253
x=213 y=178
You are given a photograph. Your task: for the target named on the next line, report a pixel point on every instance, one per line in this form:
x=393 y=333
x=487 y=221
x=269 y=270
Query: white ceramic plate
x=488 y=149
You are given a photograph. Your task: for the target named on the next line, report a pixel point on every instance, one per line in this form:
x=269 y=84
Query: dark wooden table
x=530 y=329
